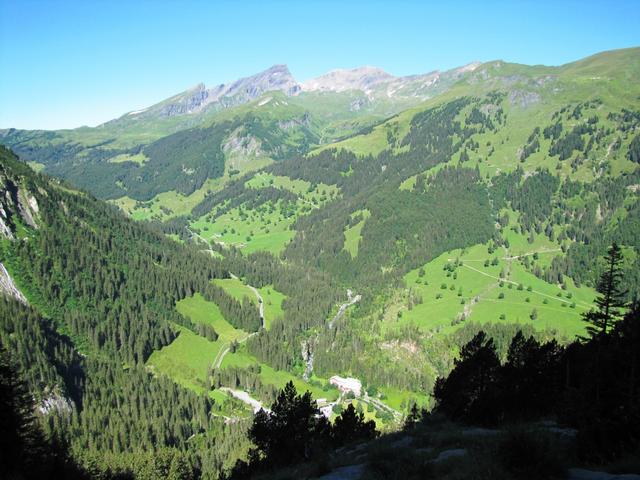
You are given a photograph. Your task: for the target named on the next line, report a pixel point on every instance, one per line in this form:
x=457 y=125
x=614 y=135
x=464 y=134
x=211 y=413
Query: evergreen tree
x=612 y=296
x=415 y=415
x=466 y=393
x=287 y=434
x=25 y=453
x=351 y=426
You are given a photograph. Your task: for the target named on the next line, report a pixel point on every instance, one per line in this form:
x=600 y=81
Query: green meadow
x=352 y=235
x=473 y=285
x=202 y=311
x=186 y=360
x=267 y=227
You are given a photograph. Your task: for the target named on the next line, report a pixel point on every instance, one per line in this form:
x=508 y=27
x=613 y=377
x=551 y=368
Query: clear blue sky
x=66 y=64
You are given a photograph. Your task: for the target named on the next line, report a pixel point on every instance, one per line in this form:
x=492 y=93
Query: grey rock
x=523 y=98
x=448 y=454
x=240 y=143
x=580 y=474
x=8 y=287
x=55 y=402
x=243 y=90
x=358 y=104
x=402 y=442
x=350 y=472
x=376 y=83
x=480 y=432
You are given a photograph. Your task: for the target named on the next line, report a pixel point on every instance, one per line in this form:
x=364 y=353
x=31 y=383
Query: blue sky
x=66 y=64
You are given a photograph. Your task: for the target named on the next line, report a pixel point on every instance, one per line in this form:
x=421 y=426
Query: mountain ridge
x=279 y=78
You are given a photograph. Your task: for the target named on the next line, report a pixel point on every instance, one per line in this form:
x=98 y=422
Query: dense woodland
x=111 y=285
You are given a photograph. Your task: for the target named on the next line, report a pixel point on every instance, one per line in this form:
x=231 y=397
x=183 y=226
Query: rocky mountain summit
x=362 y=78
x=374 y=82
x=243 y=90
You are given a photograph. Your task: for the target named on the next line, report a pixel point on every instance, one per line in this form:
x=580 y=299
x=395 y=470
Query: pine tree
x=612 y=298
x=415 y=415
x=351 y=426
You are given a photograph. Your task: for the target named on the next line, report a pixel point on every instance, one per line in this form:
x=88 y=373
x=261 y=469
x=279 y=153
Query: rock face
x=8 y=287
x=523 y=99
x=361 y=78
x=372 y=81
x=580 y=474
x=55 y=402
x=16 y=204
x=375 y=83
x=199 y=98
x=240 y=143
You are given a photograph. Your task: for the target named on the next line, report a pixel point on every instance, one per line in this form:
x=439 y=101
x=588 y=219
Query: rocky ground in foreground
x=440 y=449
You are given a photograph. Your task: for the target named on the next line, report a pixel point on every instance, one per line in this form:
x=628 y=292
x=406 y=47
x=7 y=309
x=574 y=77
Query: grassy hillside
x=483 y=206
x=486 y=207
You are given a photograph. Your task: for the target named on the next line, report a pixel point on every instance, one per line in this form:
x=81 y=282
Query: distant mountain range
x=372 y=81
x=206 y=133
x=214 y=131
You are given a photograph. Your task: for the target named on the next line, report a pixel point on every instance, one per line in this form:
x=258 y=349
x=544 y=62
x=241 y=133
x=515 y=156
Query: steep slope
x=101 y=292
x=200 y=98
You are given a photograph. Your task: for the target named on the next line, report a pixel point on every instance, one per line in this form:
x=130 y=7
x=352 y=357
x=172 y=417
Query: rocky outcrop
x=55 y=402
x=375 y=83
x=361 y=78
x=303 y=121
x=28 y=208
x=240 y=143
x=8 y=286
x=523 y=99
x=16 y=204
x=6 y=229
x=199 y=98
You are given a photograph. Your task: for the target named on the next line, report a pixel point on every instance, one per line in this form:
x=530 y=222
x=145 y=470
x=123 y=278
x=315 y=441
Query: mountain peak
x=360 y=78
x=276 y=77
x=199 y=97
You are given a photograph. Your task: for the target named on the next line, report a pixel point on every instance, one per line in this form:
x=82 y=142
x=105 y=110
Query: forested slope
x=102 y=291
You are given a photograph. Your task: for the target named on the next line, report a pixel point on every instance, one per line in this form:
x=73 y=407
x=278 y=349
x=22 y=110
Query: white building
x=326 y=410
x=346 y=385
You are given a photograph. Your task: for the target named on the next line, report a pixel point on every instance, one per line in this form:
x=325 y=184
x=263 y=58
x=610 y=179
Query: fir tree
x=612 y=297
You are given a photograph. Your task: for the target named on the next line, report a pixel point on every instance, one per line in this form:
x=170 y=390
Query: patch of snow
x=136 y=112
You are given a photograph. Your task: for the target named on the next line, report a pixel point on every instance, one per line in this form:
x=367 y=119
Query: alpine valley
x=171 y=275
